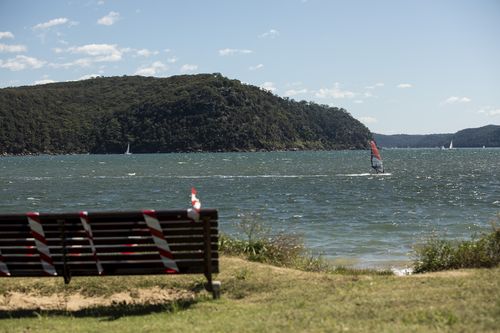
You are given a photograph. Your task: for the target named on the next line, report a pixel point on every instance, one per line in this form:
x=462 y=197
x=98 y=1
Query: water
x=342 y=210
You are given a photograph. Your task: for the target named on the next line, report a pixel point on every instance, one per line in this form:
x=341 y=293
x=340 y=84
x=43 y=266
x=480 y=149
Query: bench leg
x=214 y=288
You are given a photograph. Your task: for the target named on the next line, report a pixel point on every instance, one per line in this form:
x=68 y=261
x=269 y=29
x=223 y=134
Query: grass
x=270 y=283
x=258 y=297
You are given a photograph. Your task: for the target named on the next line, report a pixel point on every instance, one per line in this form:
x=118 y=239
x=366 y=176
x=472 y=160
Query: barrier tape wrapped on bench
x=84 y=218
x=163 y=249
x=108 y=243
x=41 y=243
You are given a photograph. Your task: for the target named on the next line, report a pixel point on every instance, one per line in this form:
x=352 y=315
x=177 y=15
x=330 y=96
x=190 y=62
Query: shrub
x=261 y=245
x=439 y=254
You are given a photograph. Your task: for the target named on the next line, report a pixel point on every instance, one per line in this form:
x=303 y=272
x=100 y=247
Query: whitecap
x=402 y=271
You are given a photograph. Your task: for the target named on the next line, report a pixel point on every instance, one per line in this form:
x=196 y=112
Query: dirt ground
x=74 y=302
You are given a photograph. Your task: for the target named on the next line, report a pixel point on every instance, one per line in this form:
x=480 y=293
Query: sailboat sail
x=376 y=159
x=451 y=144
x=127 y=152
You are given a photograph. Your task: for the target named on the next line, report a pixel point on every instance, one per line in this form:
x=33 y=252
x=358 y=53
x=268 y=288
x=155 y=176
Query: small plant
x=439 y=254
x=260 y=244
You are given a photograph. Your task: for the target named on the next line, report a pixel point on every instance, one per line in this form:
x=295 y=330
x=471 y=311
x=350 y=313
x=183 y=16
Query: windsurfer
x=376 y=159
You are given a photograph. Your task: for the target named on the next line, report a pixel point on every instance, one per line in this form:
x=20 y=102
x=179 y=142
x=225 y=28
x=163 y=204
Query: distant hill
x=205 y=112
x=488 y=136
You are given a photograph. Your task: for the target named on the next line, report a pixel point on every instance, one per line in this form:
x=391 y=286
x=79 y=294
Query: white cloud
x=334 y=92
x=455 y=100
x=404 y=85
x=256 y=67
x=109 y=19
x=295 y=92
x=273 y=33
x=188 y=68
x=44 y=81
x=6 y=34
x=51 y=23
x=153 y=69
x=94 y=53
x=358 y=101
x=489 y=111
x=229 y=52
x=376 y=85
x=146 y=53
x=269 y=86
x=88 y=76
x=172 y=60
x=368 y=120
x=83 y=62
x=99 y=52
x=12 y=48
x=21 y=62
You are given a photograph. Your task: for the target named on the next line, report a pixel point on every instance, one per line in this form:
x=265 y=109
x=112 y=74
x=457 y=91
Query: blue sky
x=410 y=66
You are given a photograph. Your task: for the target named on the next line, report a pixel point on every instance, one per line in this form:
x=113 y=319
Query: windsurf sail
x=376 y=159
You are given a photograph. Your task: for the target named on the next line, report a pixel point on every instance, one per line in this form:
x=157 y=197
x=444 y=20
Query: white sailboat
x=451 y=145
x=127 y=152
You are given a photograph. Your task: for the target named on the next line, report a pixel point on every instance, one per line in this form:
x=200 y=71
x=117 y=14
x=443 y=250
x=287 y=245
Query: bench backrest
x=108 y=243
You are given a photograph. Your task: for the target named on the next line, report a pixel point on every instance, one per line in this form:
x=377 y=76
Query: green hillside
x=488 y=136
x=205 y=112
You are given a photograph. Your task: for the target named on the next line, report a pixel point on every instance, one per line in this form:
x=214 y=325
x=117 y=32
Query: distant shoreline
x=244 y=151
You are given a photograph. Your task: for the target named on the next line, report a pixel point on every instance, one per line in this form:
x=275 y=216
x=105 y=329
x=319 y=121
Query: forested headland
x=487 y=136
x=186 y=113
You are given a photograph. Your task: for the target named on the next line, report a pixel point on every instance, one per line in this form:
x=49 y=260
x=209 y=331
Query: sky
x=412 y=66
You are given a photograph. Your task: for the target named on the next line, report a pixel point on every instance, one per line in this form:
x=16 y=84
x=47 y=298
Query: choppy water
x=331 y=198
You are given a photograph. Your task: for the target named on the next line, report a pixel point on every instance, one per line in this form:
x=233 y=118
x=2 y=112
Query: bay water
x=331 y=198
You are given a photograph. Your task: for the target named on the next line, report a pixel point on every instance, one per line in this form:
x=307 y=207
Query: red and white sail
x=376 y=159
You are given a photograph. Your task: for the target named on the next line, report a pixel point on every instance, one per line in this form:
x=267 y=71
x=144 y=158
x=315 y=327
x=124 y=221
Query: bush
x=438 y=254
x=261 y=245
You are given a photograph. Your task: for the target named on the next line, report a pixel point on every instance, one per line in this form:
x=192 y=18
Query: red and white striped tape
x=84 y=218
x=160 y=241
x=194 y=212
x=41 y=243
x=4 y=270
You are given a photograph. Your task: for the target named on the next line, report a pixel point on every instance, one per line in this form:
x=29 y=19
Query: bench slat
x=20 y=226
x=86 y=249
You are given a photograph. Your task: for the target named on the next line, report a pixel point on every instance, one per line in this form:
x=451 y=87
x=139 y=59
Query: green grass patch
x=257 y=297
x=291 y=295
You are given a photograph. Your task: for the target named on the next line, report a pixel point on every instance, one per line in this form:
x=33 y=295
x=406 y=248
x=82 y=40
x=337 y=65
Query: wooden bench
x=110 y=243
